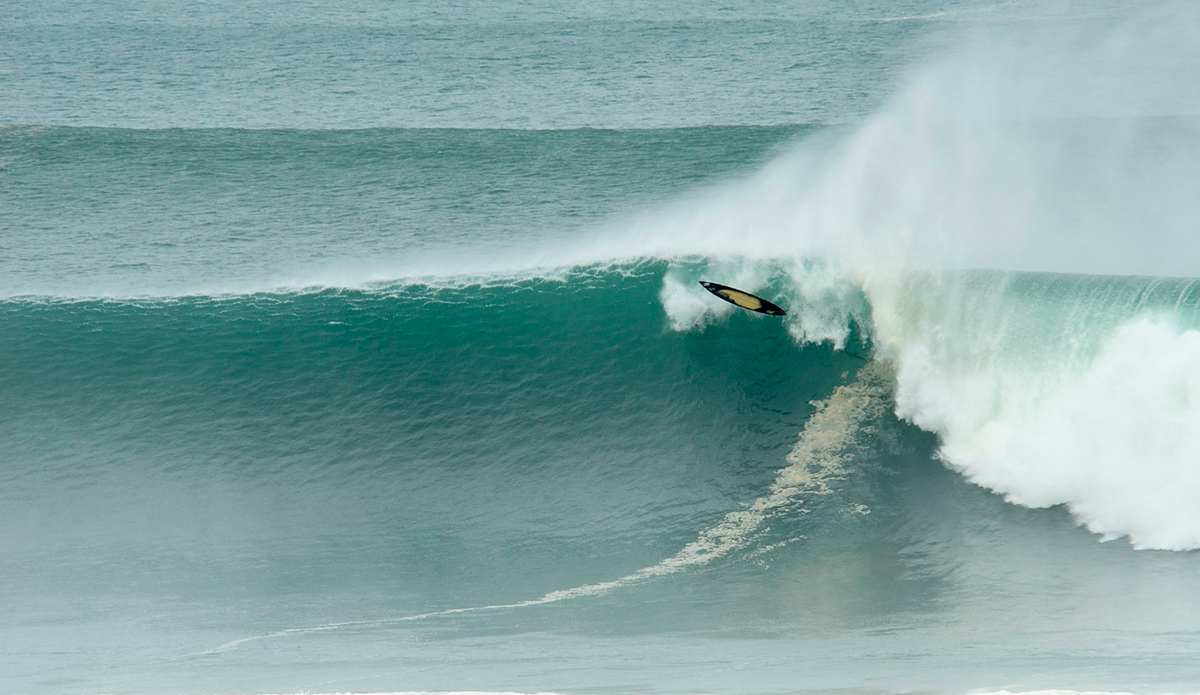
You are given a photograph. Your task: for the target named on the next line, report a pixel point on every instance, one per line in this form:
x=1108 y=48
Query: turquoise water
x=361 y=348
x=209 y=210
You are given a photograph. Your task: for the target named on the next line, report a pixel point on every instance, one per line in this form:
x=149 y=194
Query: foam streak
x=815 y=463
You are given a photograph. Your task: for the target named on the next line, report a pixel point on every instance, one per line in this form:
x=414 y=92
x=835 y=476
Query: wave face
x=362 y=348
x=228 y=487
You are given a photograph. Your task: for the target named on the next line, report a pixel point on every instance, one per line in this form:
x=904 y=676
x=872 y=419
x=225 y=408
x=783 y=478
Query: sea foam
x=1096 y=407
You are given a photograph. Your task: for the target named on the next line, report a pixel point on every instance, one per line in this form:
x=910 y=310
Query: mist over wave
x=449 y=403
x=1061 y=150
x=1051 y=389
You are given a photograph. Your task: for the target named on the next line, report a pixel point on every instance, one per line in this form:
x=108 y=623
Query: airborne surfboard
x=743 y=299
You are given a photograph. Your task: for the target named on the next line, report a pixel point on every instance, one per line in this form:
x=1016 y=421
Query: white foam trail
x=815 y=463
x=972 y=166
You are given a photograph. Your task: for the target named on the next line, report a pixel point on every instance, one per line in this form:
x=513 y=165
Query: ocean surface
x=359 y=347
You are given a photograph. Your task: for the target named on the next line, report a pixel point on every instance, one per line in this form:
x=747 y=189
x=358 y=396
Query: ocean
x=360 y=347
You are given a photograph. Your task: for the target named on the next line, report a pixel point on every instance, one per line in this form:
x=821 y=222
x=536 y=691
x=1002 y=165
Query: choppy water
x=361 y=348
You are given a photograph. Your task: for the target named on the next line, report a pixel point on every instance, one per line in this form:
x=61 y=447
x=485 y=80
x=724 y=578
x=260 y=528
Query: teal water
x=189 y=477
x=361 y=348
x=100 y=211
x=526 y=65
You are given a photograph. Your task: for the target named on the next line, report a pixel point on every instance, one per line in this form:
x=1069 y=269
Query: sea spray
x=443 y=369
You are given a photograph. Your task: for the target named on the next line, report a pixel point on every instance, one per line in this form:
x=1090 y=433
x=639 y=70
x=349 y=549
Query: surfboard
x=743 y=299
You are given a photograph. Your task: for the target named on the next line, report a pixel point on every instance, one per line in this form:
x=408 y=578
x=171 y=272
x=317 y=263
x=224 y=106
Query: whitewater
x=312 y=387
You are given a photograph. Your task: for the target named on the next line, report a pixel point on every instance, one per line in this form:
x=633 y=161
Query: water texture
x=361 y=348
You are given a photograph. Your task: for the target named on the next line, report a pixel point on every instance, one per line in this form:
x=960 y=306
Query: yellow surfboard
x=743 y=299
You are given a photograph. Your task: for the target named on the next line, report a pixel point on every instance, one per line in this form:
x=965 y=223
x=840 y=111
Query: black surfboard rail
x=743 y=299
